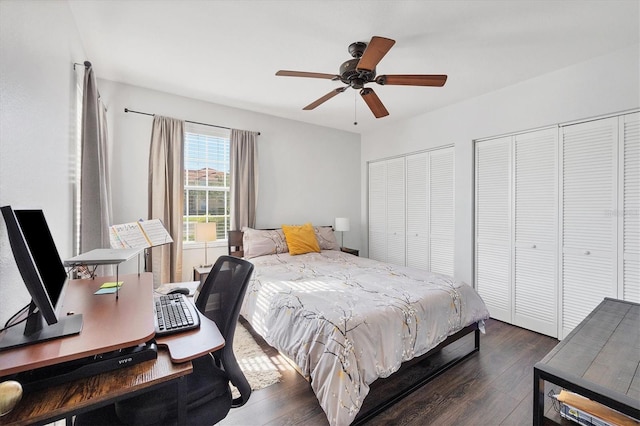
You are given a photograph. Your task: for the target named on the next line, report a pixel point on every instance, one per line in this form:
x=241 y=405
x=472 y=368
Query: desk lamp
x=342 y=225
x=206 y=232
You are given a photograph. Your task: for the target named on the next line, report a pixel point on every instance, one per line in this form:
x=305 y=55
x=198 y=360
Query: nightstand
x=201 y=273
x=350 y=251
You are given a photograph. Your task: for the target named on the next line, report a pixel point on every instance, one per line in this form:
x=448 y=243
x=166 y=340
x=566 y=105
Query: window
x=206 y=173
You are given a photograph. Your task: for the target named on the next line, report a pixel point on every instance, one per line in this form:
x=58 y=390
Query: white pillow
x=259 y=242
x=326 y=238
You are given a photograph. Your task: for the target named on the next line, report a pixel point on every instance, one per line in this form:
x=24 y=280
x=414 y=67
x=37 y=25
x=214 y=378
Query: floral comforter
x=346 y=320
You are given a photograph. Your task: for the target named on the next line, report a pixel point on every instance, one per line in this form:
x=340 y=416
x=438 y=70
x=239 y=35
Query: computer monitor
x=33 y=261
x=44 y=251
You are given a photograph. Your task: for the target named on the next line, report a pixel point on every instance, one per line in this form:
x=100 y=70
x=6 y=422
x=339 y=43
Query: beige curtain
x=95 y=186
x=244 y=178
x=166 y=196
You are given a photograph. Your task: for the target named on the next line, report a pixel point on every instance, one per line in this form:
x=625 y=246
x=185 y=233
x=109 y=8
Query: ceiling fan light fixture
x=357 y=83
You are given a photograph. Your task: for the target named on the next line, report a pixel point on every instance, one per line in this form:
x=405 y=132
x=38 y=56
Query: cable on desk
x=24 y=308
x=81 y=271
x=9 y=323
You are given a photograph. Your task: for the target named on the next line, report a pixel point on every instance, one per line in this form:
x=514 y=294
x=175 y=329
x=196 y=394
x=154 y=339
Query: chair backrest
x=220 y=298
x=235 y=243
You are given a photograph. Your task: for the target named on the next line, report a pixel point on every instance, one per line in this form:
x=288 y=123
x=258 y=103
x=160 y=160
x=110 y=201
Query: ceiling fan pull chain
x=355 y=109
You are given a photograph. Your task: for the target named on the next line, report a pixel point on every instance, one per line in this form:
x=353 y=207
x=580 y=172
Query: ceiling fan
x=361 y=70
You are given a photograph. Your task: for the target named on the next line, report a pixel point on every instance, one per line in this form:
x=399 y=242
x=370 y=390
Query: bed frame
x=452 y=351
x=427 y=367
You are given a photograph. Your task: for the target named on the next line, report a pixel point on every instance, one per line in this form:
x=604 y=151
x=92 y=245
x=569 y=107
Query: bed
x=346 y=321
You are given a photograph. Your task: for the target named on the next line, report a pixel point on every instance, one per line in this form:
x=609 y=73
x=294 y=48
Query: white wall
x=307 y=172
x=38 y=46
x=604 y=85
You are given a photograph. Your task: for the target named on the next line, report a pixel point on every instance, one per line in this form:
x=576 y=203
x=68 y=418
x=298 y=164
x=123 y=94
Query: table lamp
x=342 y=225
x=206 y=232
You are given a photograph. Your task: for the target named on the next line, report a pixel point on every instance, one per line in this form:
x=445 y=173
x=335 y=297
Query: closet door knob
x=587 y=252
x=533 y=246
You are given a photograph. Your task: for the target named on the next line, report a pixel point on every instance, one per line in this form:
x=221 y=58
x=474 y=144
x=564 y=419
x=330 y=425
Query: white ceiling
x=227 y=52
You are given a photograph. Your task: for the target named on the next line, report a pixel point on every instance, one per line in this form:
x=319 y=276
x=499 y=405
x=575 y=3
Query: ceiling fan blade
x=286 y=73
x=437 y=80
x=375 y=51
x=325 y=98
x=374 y=102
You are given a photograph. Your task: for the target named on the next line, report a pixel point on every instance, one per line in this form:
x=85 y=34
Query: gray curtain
x=95 y=187
x=244 y=178
x=166 y=195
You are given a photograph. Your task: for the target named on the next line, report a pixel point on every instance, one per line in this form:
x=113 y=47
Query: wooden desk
x=108 y=324
x=599 y=359
x=188 y=345
x=131 y=318
x=89 y=393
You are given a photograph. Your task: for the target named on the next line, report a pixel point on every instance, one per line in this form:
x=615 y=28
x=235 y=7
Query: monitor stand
x=28 y=334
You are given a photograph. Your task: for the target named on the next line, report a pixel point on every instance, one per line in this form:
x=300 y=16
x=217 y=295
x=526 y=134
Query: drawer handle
x=587 y=252
x=533 y=246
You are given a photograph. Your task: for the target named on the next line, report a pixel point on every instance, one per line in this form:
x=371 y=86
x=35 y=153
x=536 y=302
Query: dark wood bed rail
x=382 y=395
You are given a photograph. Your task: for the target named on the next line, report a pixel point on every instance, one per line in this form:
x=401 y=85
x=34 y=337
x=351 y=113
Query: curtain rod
x=86 y=64
x=187 y=121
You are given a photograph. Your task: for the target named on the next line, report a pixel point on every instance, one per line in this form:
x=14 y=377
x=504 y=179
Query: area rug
x=257 y=367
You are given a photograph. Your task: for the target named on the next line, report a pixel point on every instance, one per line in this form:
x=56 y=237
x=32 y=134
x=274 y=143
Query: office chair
x=209 y=398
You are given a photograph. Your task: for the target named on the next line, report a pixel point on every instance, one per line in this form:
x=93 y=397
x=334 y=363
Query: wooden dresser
x=599 y=359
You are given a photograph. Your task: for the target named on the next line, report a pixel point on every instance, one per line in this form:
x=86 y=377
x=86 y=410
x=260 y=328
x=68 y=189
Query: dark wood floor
x=492 y=387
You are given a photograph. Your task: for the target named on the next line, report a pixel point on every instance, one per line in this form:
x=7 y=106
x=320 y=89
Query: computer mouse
x=181 y=290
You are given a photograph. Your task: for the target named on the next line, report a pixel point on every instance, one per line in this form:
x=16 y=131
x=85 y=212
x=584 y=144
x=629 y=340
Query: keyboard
x=174 y=313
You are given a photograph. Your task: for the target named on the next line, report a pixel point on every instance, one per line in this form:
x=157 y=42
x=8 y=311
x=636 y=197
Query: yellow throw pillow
x=301 y=239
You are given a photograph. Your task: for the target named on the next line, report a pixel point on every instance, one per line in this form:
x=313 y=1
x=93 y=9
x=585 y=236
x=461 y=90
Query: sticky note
x=109 y=288
x=111 y=284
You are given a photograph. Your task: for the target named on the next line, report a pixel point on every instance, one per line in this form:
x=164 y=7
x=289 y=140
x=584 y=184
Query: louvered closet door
x=395 y=182
x=442 y=210
x=535 y=304
x=417 y=214
x=493 y=225
x=589 y=266
x=629 y=220
x=378 y=211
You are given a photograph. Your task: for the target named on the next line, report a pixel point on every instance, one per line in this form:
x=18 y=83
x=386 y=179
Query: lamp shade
x=342 y=224
x=206 y=231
